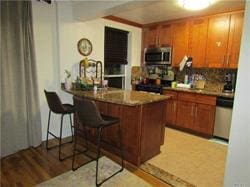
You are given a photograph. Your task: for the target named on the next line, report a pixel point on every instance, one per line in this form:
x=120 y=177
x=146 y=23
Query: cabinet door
x=185 y=114
x=217 y=41
x=204 y=118
x=150 y=37
x=197 y=41
x=234 y=39
x=180 y=42
x=165 y=35
x=171 y=111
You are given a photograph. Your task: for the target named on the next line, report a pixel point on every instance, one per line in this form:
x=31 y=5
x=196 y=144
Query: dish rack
x=91 y=70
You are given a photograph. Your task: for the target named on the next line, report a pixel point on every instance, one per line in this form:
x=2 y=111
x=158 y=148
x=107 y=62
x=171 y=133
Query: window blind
x=115 y=46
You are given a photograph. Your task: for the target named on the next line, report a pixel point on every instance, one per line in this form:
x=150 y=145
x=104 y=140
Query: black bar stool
x=88 y=115
x=56 y=106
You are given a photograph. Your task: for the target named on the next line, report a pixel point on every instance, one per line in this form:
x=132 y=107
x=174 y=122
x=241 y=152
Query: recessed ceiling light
x=194 y=4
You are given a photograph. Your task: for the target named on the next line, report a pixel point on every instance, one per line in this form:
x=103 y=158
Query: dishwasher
x=223 y=117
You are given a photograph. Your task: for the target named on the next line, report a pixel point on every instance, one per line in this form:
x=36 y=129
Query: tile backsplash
x=215 y=78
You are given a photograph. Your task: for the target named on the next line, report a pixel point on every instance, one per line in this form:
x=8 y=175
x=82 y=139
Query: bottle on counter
x=186 y=79
x=95 y=89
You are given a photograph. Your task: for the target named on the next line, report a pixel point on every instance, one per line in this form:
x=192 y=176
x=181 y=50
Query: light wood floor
x=35 y=165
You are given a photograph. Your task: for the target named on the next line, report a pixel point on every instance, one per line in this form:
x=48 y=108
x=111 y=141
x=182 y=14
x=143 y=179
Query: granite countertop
x=202 y=91
x=118 y=96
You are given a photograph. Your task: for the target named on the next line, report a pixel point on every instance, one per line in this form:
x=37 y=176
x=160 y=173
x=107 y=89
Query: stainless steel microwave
x=157 y=56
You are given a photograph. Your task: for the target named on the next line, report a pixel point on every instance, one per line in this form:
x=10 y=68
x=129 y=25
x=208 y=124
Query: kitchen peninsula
x=142 y=118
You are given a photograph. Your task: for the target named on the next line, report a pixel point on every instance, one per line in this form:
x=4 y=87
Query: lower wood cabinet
x=191 y=111
x=204 y=118
x=171 y=107
x=185 y=114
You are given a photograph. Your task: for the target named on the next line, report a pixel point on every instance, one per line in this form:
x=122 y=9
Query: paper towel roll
x=183 y=62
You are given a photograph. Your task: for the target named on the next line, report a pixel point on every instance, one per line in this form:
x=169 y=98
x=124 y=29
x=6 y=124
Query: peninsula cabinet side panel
x=131 y=133
x=130 y=127
x=153 y=118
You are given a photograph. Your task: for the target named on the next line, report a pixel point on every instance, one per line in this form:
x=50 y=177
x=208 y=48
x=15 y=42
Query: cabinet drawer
x=205 y=99
x=186 y=97
x=173 y=94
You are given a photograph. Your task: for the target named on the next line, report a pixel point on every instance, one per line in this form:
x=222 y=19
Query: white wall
x=45 y=37
x=238 y=166
x=56 y=35
x=70 y=31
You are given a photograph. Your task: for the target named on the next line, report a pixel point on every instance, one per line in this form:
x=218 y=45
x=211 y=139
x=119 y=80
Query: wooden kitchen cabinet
x=197 y=41
x=171 y=108
x=223 y=42
x=212 y=41
x=191 y=112
x=165 y=35
x=180 y=41
x=158 y=36
x=196 y=112
x=185 y=114
x=217 y=41
x=150 y=37
x=204 y=118
x=235 y=33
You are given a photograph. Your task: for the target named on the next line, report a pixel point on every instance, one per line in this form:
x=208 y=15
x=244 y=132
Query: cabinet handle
x=196 y=110
x=228 y=60
x=224 y=58
x=174 y=106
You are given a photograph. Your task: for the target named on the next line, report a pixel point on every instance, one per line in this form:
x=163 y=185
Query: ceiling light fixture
x=194 y=4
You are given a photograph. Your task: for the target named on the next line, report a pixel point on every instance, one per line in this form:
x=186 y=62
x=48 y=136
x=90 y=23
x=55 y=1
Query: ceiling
x=145 y=11
x=161 y=10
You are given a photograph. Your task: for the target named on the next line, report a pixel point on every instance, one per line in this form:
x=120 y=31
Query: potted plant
x=68 y=83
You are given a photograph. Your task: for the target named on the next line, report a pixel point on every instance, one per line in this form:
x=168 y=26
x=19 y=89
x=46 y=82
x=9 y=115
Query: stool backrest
x=87 y=112
x=54 y=102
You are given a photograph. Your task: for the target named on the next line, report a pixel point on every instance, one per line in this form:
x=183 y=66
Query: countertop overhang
x=118 y=96
x=202 y=91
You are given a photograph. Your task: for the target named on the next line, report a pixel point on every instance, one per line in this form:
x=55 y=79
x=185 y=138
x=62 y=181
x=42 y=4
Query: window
x=115 y=46
x=115 y=56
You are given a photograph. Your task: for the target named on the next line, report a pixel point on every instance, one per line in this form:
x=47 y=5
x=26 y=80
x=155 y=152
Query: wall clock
x=84 y=46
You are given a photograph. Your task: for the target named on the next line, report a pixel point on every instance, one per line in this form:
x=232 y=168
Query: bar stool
x=56 y=106
x=89 y=116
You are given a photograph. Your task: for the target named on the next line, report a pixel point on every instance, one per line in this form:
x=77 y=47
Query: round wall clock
x=84 y=47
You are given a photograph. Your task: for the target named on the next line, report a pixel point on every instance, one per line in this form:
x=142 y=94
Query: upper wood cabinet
x=212 y=41
x=157 y=36
x=197 y=41
x=235 y=33
x=180 y=42
x=217 y=41
x=165 y=35
x=223 y=43
x=150 y=35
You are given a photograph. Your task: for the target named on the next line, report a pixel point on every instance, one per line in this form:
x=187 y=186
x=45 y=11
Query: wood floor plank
x=35 y=165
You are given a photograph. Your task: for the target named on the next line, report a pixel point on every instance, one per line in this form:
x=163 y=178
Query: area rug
x=187 y=160
x=85 y=176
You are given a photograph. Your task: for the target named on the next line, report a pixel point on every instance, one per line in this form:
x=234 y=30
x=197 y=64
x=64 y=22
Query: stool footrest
x=100 y=183
x=48 y=148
